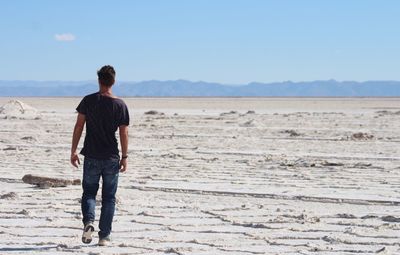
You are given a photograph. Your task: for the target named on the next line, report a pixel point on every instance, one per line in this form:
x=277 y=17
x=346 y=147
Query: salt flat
x=215 y=176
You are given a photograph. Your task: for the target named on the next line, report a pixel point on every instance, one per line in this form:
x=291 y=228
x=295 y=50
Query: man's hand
x=123 y=165
x=75 y=159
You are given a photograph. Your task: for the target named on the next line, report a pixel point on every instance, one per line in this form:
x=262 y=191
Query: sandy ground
x=210 y=176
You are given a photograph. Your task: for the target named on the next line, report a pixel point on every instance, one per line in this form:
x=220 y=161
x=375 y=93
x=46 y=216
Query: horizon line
x=202 y=81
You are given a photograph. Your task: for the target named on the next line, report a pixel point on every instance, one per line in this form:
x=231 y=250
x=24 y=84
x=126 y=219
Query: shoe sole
x=103 y=244
x=87 y=234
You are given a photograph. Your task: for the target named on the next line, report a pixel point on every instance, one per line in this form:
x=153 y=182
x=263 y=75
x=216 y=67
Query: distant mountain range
x=182 y=88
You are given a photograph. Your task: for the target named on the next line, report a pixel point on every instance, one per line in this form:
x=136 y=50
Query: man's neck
x=106 y=91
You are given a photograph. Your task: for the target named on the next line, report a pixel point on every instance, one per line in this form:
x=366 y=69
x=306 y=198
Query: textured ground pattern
x=230 y=176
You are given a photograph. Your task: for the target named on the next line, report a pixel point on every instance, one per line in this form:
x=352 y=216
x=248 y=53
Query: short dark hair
x=106 y=75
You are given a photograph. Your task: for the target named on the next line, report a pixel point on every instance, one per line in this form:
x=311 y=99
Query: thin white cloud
x=64 y=37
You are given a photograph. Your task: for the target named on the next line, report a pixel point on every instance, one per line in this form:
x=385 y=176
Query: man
x=103 y=114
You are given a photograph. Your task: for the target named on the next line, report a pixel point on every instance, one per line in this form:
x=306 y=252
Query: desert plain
x=213 y=176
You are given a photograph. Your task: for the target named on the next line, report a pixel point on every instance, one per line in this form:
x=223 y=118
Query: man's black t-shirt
x=103 y=117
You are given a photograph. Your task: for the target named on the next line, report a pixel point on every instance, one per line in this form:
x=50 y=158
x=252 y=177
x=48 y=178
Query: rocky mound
x=17 y=108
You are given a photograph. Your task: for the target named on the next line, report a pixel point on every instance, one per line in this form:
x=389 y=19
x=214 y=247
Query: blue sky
x=227 y=41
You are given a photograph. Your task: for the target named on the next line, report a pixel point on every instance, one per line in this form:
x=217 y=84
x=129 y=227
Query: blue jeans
x=93 y=169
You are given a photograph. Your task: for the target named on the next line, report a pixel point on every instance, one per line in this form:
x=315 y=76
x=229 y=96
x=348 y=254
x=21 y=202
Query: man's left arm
x=78 y=129
x=123 y=136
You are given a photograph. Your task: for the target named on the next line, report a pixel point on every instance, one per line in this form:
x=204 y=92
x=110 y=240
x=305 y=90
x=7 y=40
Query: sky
x=225 y=41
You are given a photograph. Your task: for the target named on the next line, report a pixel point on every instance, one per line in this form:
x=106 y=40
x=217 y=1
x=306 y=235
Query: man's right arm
x=123 y=136
x=79 y=125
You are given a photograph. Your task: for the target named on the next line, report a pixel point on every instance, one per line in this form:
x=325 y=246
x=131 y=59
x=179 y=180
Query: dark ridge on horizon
x=180 y=87
x=2 y=82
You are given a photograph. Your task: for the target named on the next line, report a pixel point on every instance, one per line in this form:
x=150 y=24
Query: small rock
x=329 y=239
x=291 y=132
x=390 y=218
x=153 y=112
x=172 y=250
x=228 y=113
x=10 y=196
x=28 y=138
x=346 y=216
x=10 y=148
x=361 y=136
x=369 y=217
x=249 y=123
x=326 y=163
x=24 y=212
x=47 y=182
x=381 y=250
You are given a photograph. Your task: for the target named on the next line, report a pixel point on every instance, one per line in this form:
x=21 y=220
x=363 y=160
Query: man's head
x=106 y=76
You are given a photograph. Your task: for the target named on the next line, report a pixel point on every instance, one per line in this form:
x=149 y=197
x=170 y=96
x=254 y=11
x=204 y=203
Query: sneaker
x=105 y=241
x=87 y=233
